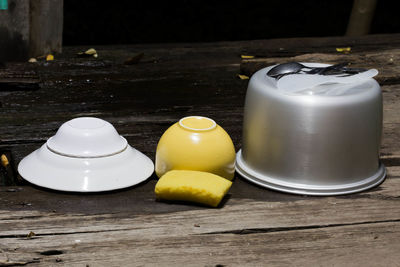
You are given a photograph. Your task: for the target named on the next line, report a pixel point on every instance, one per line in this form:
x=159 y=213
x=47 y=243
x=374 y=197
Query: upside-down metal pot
x=321 y=141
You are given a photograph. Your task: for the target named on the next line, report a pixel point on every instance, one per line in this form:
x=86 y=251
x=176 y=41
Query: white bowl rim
x=213 y=124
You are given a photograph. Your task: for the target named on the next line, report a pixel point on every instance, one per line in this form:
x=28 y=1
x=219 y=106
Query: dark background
x=123 y=21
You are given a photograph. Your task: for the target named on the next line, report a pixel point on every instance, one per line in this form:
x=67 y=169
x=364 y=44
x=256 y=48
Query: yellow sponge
x=194 y=186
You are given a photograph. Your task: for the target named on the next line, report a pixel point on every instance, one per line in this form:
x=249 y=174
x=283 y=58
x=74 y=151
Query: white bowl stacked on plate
x=86 y=155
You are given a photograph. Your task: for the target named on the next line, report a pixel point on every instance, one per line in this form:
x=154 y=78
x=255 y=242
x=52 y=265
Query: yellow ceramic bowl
x=198 y=144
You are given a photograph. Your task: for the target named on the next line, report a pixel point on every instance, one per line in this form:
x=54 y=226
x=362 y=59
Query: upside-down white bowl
x=86 y=155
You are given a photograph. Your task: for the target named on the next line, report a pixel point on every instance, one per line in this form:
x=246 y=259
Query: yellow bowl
x=198 y=144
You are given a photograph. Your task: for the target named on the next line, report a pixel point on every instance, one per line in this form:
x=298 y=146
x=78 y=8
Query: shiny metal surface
x=285 y=68
x=281 y=70
x=323 y=141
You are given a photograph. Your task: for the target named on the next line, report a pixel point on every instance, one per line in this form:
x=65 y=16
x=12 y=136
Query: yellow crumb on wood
x=91 y=51
x=4 y=160
x=343 y=49
x=246 y=56
x=243 y=77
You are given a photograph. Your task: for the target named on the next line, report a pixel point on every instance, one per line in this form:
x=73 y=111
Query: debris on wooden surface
x=344 y=50
x=134 y=60
x=6 y=171
x=358 y=59
x=30 y=235
x=243 y=77
x=391 y=60
x=4 y=160
x=91 y=52
x=246 y=56
x=32 y=60
x=252 y=221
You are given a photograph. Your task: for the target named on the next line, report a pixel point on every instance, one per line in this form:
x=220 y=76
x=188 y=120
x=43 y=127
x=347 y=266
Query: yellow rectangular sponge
x=194 y=186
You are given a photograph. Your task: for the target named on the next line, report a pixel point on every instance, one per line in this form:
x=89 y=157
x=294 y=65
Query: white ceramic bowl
x=86 y=155
x=87 y=137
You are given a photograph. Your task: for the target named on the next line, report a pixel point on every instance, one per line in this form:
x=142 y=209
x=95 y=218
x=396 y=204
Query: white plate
x=86 y=155
x=48 y=169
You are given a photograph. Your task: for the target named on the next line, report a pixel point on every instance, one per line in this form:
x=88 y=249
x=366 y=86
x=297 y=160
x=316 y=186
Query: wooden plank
x=167 y=109
x=358 y=227
x=30 y=28
x=141 y=199
x=177 y=72
x=46 y=27
x=254 y=226
x=18 y=80
x=354 y=245
x=383 y=60
x=219 y=82
x=14 y=31
x=361 y=17
x=291 y=47
x=263 y=209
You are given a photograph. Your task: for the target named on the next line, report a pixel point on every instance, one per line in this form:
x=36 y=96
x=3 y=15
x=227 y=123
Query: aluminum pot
x=321 y=141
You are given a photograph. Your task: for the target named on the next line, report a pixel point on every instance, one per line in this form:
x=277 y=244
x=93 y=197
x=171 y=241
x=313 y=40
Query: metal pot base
x=305 y=189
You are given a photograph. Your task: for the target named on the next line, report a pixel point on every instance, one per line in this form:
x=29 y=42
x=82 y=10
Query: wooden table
x=253 y=226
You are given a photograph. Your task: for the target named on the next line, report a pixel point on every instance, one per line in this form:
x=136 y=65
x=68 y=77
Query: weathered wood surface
x=386 y=61
x=18 y=80
x=361 y=17
x=46 y=27
x=253 y=227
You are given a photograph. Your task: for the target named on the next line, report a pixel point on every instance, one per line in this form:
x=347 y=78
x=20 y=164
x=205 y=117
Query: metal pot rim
x=303 y=189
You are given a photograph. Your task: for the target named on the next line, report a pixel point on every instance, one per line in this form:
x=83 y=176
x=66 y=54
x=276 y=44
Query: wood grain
x=341 y=230
x=385 y=61
x=46 y=27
